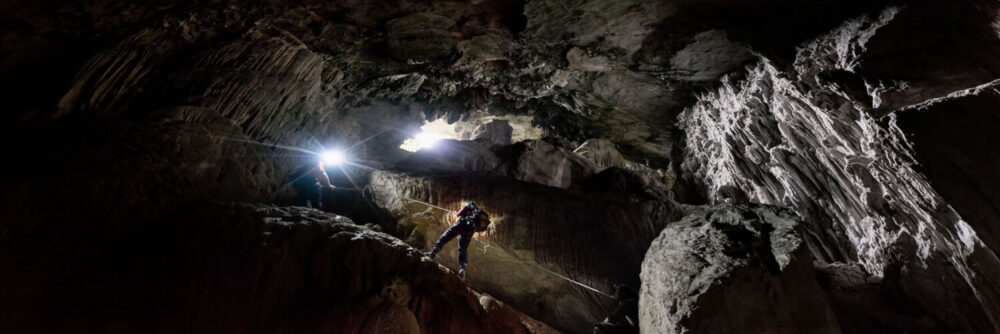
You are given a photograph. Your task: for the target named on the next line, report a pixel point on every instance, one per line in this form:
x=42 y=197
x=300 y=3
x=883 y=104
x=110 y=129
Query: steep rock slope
x=261 y=268
x=597 y=238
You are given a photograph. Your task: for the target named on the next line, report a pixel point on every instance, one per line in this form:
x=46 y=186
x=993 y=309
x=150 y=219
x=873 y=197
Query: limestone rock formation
x=732 y=268
x=814 y=139
x=602 y=153
x=420 y=37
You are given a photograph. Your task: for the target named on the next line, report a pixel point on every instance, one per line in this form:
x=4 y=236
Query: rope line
x=486 y=245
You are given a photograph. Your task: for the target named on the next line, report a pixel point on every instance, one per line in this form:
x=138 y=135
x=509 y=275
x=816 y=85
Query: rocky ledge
x=261 y=268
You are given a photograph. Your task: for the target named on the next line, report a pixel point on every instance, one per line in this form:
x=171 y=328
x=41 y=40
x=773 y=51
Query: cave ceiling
x=621 y=70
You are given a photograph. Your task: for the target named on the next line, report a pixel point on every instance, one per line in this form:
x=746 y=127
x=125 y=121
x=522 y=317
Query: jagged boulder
x=882 y=191
x=733 y=268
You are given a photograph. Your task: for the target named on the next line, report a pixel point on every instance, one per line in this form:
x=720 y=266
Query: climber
x=309 y=182
x=624 y=319
x=471 y=219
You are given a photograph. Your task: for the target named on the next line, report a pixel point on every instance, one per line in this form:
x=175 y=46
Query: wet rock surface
x=732 y=268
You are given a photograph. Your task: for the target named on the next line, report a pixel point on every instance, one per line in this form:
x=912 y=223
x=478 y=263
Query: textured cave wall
x=813 y=137
x=310 y=73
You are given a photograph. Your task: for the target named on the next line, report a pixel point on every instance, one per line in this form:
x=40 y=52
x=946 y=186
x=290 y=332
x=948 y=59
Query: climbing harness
x=485 y=245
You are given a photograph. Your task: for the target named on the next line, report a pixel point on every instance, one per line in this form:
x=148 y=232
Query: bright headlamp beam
x=333 y=157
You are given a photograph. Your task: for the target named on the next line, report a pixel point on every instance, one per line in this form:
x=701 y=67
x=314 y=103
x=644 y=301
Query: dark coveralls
x=463 y=229
x=309 y=182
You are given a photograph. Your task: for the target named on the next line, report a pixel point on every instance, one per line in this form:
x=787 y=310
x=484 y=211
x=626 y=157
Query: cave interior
x=684 y=166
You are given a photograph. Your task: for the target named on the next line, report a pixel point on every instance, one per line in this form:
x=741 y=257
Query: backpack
x=480 y=220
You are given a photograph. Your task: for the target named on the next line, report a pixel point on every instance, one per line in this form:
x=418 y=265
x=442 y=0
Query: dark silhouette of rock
x=540 y=162
x=259 y=268
x=868 y=304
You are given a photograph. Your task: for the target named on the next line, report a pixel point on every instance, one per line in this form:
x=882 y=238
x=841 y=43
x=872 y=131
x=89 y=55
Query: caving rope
x=486 y=245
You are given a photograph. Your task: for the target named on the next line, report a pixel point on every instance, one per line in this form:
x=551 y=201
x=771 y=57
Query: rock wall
x=812 y=138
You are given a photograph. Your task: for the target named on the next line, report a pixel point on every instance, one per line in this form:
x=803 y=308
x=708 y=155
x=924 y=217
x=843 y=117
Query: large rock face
x=811 y=138
x=260 y=268
x=732 y=268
